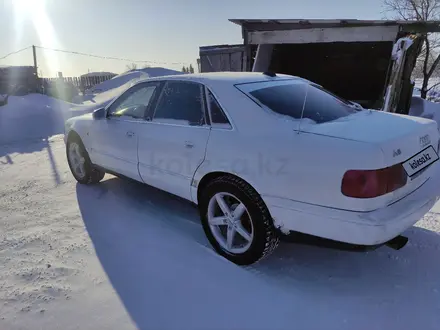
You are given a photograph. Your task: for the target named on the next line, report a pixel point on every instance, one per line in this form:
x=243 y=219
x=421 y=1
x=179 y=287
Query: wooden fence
x=81 y=83
x=66 y=88
x=23 y=80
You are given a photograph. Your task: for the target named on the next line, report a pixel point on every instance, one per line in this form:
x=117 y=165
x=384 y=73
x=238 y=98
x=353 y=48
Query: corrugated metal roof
x=224 y=49
x=273 y=24
x=225 y=46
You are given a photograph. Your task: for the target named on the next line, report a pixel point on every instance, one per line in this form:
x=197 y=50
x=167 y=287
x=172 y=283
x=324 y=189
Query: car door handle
x=130 y=134
x=189 y=144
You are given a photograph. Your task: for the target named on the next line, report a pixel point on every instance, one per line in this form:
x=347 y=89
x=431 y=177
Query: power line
x=16 y=52
x=108 y=57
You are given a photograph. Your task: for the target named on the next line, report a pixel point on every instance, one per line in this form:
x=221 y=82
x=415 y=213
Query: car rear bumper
x=361 y=228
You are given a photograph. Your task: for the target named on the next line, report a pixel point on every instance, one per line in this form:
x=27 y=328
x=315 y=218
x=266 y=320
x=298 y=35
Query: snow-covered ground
x=35 y=116
x=424 y=108
x=121 y=255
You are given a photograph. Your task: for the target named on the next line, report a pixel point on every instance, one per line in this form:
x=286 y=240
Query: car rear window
x=320 y=105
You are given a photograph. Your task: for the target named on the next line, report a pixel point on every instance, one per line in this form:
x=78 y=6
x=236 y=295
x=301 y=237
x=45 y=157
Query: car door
x=115 y=139
x=173 y=144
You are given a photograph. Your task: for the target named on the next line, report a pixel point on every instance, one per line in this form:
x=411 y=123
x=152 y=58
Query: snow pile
x=102 y=94
x=98 y=74
x=425 y=109
x=117 y=82
x=159 y=72
x=100 y=100
x=123 y=78
x=433 y=94
x=34 y=116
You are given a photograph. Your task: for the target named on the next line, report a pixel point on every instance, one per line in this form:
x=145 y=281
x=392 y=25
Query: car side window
x=181 y=103
x=218 y=117
x=134 y=102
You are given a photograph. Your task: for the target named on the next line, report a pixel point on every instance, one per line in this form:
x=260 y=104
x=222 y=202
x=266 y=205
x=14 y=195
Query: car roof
x=226 y=77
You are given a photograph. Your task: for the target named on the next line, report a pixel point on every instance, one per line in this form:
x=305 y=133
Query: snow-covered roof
x=221 y=48
x=158 y=71
x=276 y=24
x=98 y=74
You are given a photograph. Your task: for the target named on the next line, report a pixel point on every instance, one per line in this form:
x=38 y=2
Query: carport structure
x=352 y=58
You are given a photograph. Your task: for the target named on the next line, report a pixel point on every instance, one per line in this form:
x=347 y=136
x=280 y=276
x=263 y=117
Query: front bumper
x=361 y=228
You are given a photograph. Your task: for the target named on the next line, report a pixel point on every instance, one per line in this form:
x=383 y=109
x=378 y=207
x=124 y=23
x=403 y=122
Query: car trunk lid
x=410 y=141
x=392 y=132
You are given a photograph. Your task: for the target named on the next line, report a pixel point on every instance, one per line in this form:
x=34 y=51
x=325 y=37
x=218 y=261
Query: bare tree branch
x=433 y=86
x=425 y=63
x=131 y=67
x=433 y=66
x=416 y=11
x=429 y=55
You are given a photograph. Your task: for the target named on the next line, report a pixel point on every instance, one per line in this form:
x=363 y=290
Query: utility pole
x=35 y=60
x=37 y=82
x=38 y=85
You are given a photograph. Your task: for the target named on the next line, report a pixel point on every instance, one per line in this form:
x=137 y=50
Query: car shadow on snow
x=399 y=288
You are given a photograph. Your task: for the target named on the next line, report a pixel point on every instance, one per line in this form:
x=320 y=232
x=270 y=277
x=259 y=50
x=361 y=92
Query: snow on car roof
x=226 y=77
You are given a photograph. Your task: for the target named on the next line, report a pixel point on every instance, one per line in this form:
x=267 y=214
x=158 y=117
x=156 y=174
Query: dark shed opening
x=355 y=71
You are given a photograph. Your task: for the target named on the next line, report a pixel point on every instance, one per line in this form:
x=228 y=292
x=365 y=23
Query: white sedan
x=263 y=155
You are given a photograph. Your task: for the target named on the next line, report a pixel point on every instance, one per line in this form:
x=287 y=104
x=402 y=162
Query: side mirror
x=99 y=113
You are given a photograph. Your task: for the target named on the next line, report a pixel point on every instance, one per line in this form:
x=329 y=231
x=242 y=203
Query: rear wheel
x=236 y=221
x=80 y=164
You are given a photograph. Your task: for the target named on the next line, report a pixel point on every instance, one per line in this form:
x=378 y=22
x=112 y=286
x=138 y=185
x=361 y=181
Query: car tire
x=89 y=174
x=256 y=218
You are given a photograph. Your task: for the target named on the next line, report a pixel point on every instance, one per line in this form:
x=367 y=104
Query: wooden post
x=34 y=52
x=37 y=81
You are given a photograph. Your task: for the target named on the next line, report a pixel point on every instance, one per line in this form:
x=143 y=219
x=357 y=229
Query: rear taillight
x=373 y=183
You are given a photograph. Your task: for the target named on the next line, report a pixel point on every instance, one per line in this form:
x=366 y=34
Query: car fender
x=206 y=169
x=81 y=127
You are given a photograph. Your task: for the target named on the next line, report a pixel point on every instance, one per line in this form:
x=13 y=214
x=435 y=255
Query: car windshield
x=287 y=99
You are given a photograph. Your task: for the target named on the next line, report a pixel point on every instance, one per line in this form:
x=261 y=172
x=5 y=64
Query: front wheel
x=236 y=221
x=79 y=162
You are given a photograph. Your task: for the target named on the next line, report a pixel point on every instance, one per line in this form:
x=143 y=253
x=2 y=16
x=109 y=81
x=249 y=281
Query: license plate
x=420 y=161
